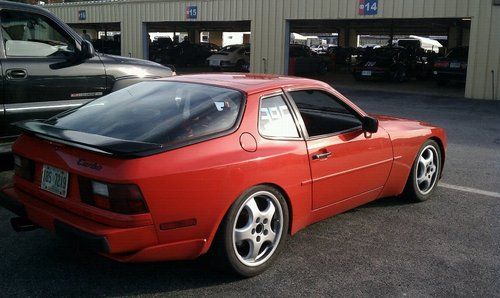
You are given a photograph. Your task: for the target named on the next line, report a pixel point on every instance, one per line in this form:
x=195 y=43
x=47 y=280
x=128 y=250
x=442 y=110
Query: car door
x=345 y=161
x=41 y=75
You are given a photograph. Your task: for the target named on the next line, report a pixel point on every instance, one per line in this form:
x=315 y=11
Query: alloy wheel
x=258 y=228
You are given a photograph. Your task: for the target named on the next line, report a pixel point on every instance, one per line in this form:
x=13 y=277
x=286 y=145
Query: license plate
x=366 y=73
x=214 y=62
x=455 y=65
x=54 y=180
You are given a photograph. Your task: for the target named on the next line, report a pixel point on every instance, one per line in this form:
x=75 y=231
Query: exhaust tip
x=22 y=224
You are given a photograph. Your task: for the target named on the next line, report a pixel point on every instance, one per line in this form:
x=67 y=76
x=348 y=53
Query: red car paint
x=198 y=183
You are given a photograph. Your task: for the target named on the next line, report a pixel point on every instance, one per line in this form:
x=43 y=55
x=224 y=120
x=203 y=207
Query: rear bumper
x=451 y=76
x=136 y=244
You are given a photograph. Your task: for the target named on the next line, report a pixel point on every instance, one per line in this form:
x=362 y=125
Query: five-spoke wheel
x=258 y=228
x=426 y=170
x=425 y=173
x=253 y=231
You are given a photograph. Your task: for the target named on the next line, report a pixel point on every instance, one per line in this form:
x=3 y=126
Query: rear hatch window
x=172 y=114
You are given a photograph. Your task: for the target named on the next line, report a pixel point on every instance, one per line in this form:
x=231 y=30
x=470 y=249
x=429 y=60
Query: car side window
x=33 y=35
x=275 y=119
x=322 y=113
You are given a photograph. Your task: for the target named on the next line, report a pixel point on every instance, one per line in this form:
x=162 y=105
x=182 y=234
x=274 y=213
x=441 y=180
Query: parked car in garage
x=388 y=63
x=193 y=54
x=48 y=68
x=322 y=48
x=166 y=52
x=172 y=168
x=452 y=67
x=232 y=57
x=304 y=61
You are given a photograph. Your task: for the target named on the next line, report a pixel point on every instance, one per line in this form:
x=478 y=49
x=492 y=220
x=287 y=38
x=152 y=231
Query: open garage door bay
x=271 y=21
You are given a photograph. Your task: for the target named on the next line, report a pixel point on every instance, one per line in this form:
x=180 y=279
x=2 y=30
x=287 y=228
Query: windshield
x=458 y=53
x=168 y=113
x=231 y=48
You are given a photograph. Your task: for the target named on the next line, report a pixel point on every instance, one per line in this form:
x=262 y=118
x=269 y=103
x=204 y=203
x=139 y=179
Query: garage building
x=271 y=22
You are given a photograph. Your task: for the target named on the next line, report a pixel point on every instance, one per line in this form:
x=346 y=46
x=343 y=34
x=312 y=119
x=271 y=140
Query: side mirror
x=370 y=124
x=86 y=51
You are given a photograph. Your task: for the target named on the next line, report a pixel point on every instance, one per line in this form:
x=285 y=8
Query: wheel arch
x=441 y=150
x=215 y=232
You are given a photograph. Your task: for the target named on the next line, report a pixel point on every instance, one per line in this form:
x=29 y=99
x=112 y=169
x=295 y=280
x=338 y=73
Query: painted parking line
x=470 y=189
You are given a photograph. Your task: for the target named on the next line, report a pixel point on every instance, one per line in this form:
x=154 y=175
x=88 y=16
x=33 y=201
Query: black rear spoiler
x=92 y=142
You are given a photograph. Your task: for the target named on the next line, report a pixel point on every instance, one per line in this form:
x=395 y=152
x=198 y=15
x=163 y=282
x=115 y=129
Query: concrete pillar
x=454 y=37
x=353 y=38
x=246 y=38
x=342 y=41
x=215 y=37
x=134 y=39
x=194 y=36
x=268 y=44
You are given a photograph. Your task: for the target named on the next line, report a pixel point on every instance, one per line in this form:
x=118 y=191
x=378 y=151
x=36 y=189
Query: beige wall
x=269 y=18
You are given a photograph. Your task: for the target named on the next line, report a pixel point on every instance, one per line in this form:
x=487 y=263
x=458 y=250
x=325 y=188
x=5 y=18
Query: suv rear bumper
x=137 y=244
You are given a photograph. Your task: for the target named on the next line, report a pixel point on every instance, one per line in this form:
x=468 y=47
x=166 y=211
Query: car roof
x=21 y=6
x=248 y=83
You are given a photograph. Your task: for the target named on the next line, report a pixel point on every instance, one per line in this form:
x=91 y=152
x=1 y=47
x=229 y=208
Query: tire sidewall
x=227 y=232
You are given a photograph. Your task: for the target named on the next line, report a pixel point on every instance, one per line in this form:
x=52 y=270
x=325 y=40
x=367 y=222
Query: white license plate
x=54 y=180
x=455 y=65
x=214 y=63
x=366 y=73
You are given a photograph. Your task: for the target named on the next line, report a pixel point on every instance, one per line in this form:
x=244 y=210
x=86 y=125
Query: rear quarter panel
x=203 y=180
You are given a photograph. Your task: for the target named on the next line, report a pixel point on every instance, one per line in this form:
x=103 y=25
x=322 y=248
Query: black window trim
x=338 y=100
x=54 y=22
x=281 y=93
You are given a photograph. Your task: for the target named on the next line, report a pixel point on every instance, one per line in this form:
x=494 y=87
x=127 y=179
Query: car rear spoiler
x=96 y=143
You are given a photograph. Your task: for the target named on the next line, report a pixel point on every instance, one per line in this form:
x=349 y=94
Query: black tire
x=225 y=255
x=400 y=75
x=323 y=68
x=413 y=191
x=240 y=65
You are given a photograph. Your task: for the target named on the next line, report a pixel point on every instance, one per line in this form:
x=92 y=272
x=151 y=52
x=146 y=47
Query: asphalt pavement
x=447 y=246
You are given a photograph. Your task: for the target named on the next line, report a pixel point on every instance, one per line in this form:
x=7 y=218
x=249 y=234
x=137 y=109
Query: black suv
x=47 y=67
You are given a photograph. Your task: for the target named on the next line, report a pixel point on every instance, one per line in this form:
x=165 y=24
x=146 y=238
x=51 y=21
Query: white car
x=235 y=57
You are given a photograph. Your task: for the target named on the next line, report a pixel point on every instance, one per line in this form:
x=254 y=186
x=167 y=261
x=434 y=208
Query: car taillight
x=441 y=64
x=118 y=198
x=24 y=168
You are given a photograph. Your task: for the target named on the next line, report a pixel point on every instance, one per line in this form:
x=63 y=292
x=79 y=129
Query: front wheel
x=425 y=173
x=253 y=232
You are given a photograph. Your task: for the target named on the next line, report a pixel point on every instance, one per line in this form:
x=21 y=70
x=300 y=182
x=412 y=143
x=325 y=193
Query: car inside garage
x=105 y=37
x=383 y=54
x=200 y=46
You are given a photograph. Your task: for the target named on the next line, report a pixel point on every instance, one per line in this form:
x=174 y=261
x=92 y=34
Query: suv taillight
x=441 y=64
x=118 y=198
x=24 y=168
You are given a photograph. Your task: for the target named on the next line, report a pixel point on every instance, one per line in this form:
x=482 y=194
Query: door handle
x=321 y=155
x=16 y=74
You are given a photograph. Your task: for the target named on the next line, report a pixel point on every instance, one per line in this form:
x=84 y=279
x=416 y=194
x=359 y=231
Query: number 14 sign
x=368 y=7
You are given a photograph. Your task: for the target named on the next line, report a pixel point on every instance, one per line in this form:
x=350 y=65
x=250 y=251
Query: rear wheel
x=425 y=173
x=323 y=68
x=253 y=232
x=400 y=75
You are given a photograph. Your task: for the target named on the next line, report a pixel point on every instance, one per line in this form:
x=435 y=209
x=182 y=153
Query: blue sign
x=368 y=7
x=192 y=12
x=82 y=15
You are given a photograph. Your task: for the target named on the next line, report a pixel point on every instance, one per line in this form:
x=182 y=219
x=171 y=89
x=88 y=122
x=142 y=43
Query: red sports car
x=168 y=169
